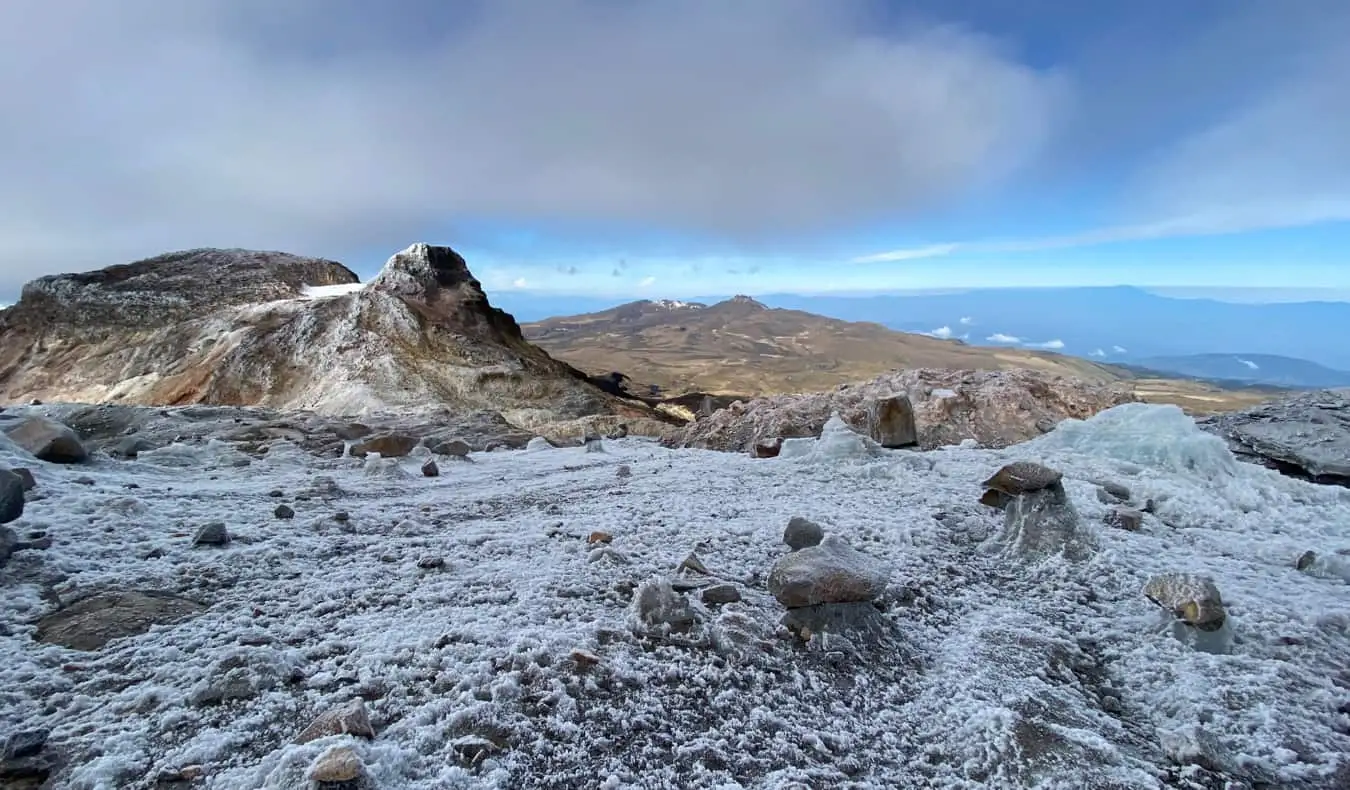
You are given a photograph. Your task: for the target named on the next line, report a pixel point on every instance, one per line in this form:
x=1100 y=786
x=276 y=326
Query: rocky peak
x=172 y=287
x=422 y=270
x=747 y=301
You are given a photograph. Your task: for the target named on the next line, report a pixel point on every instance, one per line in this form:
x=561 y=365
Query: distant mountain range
x=1117 y=324
x=1247 y=370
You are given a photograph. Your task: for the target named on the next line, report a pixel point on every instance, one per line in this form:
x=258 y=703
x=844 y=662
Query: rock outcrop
x=995 y=408
x=1305 y=436
x=240 y=328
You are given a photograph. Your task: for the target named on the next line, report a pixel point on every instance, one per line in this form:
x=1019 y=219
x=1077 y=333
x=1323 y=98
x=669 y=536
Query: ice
x=1006 y=673
x=837 y=443
x=326 y=291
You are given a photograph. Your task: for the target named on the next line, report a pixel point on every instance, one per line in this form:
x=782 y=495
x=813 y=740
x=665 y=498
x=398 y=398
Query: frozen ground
x=1006 y=673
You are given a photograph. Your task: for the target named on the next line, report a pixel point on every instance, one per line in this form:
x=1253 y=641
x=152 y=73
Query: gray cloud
x=140 y=126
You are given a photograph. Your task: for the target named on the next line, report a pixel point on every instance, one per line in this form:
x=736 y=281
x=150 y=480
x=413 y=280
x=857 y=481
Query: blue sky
x=633 y=148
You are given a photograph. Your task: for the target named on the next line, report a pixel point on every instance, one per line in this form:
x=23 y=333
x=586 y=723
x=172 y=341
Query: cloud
x=1248 y=363
x=519 y=282
x=1119 y=350
x=999 y=337
x=329 y=126
x=944 y=332
x=931 y=251
x=967 y=320
x=1096 y=352
x=1053 y=345
x=646 y=281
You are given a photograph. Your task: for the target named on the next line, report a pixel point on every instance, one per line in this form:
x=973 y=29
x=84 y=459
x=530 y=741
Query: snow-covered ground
x=326 y=291
x=1008 y=672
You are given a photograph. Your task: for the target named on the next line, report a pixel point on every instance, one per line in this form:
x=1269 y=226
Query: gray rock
x=26 y=476
x=1305 y=436
x=620 y=432
x=861 y=623
x=802 y=533
x=25 y=743
x=430 y=469
x=623 y=471
x=243 y=673
x=47 y=440
x=132 y=447
x=91 y=623
x=349 y=718
x=284 y=512
x=457 y=448
x=1306 y=560
x=721 y=594
x=11 y=496
x=9 y=543
x=593 y=444
x=890 y=422
x=1043 y=523
x=831 y=572
x=213 y=534
x=656 y=605
x=1126 y=518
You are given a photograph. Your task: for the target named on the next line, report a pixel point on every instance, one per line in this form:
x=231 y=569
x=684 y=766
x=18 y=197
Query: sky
x=646 y=148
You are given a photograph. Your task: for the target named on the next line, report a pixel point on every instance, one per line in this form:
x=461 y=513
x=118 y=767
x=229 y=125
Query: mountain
x=742 y=346
x=247 y=328
x=1117 y=324
x=1250 y=369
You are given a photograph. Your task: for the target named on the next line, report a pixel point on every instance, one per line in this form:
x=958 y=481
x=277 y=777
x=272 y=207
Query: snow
x=1011 y=673
x=327 y=291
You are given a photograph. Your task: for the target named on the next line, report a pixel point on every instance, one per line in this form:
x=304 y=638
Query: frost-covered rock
x=1191 y=598
x=657 y=605
x=337 y=765
x=242 y=673
x=11 y=496
x=831 y=572
x=996 y=408
x=349 y=718
x=47 y=440
x=212 y=534
x=538 y=444
x=801 y=533
x=1158 y=436
x=90 y=623
x=837 y=442
x=1043 y=523
x=1306 y=435
x=1023 y=477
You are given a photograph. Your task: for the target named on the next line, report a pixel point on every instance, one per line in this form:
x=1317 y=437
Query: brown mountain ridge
x=741 y=347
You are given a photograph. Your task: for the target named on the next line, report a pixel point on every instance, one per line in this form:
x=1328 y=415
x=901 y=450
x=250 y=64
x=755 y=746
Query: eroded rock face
x=995 y=408
x=1043 y=523
x=233 y=327
x=1305 y=436
x=830 y=572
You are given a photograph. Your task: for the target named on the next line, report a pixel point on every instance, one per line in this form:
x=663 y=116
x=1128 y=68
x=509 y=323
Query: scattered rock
x=431 y=563
x=91 y=623
x=242 y=673
x=831 y=572
x=430 y=469
x=599 y=537
x=284 y=512
x=693 y=564
x=132 y=447
x=1109 y=493
x=995 y=499
x=890 y=422
x=11 y=496
x=584 y=659
x=339 y=764
x=1306 y=560
x=276 y=493
x=620 y=431
x=388 y=445
x=9 y=542
x=767 y=448
x=452 y=447
x=350 y=718
x=802 y=533
x=1125 y=518
x=342 y=517
x=47 y=440
x=83 y=480
x=353 y=431
x=470 y=750
x=624 y=471
x=213 y=534
x=859 y=622
x=1022 y=477
x=657 y=604
x=721 y=594
x=1191 y=598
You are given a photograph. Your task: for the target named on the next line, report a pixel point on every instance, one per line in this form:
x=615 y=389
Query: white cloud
x=967 y=320
x=931 y=251
x=1248 y=363
x=519 y=282
x=1096 y=352
x=646 y=281
x=944 y=332
x=999 y=337
x=1053 y=345
x=1119 y=349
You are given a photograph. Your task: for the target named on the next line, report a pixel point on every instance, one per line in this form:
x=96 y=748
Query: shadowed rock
x=91 y=623
x=831 y=572
x=47 y=440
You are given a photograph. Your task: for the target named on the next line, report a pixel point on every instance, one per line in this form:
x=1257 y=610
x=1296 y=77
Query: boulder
x=47 y=440
x=388 y=445
x=890 y=422
x=11 y=496
x=830 y=572
x=1021 y=477
x=1191 y=598
x=802 y=533
x=349 y=718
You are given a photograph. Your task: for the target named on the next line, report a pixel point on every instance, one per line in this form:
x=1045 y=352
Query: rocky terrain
x=1117 y=603
x=241 y=328
x=740 y=347
x=1306 y=436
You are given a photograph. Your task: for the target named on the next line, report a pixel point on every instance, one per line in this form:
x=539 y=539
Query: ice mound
x=837 y=442
x=1161 y=437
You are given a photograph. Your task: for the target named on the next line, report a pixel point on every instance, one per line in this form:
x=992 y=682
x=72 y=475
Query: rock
x=431 y=563
x=537 y=444
x=47 y=440
x=339 y=764
x=388 y=445
x=802 y=533
x=241 y=674
x=599 y=537
x=584 y=659
x=995 y=499
x=721 y=594
x=890 y=422
x=1021 y=477
x=131 y=447
x=593 y=444
x=26 y=476
x=767 y=448
x=1126 y=518
x=342 y=517
x=1306 y=560
x=831 y=572
x=1191 y=598
x=9 y=543
x=25 y=743
x=353 y=431
x=1305 y=436
x=693 y=564
x=457 y=448
x=11 y=496
x=860 y=622
x=656 y=604
x=1109 y=493
x=1041 y=524
x=430 y=469
x=623 y=471
x=350 y=718
x=284 y=512
x=91 y=623
x=213 y=534
x=470 y=750
x=620 y=431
